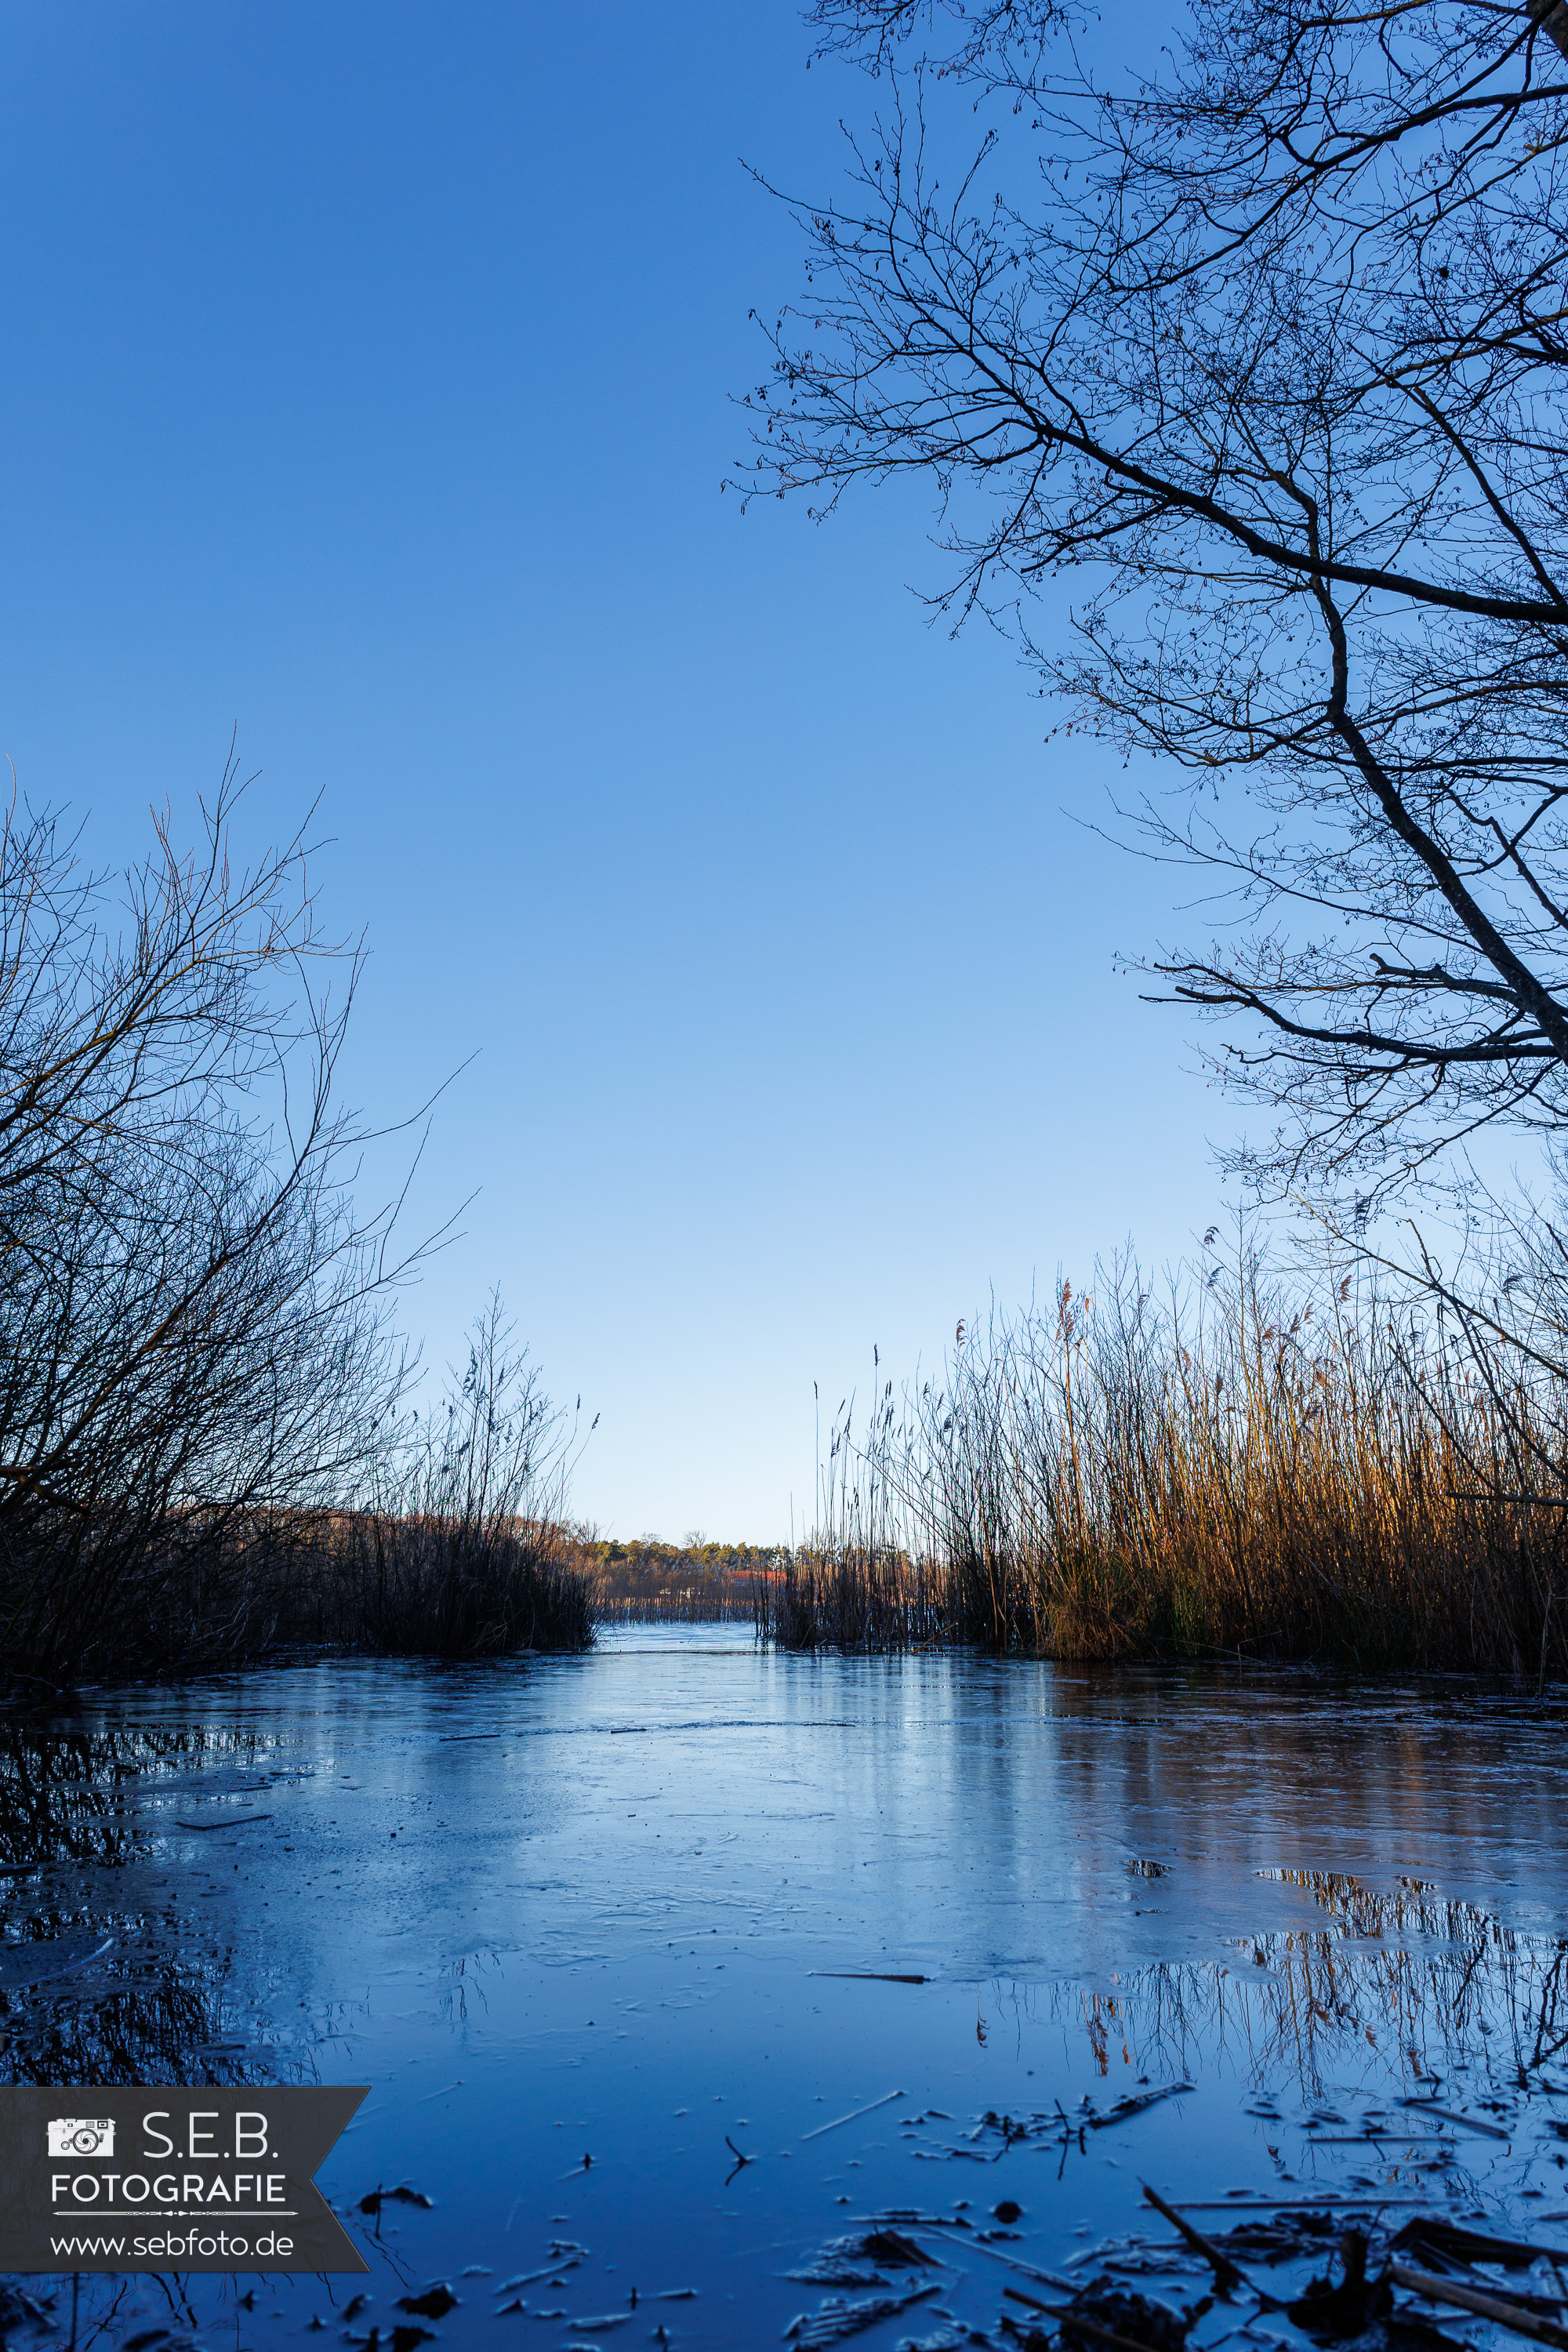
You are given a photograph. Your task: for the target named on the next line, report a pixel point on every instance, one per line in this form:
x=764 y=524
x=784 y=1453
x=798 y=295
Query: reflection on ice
x=92 y=1989
x=955 y=1955
x=1446 y=1986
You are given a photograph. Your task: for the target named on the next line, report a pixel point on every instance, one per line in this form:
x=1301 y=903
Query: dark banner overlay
x=153 y=2178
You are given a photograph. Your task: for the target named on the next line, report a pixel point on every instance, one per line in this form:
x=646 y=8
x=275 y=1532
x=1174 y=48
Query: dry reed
x=1225 y=1471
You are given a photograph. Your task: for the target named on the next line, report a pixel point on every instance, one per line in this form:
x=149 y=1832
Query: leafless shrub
x=192 y=1337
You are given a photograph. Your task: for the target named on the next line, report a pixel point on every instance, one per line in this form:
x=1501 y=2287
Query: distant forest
x=648 y=1568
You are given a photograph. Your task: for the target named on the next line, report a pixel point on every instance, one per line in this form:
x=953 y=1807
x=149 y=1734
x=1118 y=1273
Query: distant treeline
x=646 y=1578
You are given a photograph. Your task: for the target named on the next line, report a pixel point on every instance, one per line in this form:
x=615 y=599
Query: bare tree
x=1266 y=350
x=192 y=1326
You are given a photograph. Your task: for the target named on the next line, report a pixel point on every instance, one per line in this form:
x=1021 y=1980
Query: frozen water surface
x=596 y=1929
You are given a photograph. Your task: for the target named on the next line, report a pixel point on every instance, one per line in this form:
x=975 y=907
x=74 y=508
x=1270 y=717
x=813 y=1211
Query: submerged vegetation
x=1231 y=1470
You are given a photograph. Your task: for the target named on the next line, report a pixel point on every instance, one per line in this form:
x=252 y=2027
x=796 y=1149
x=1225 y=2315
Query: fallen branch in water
x=1449 y=2116
x=853 y=2117
x=868 y=1976
x=1079 y=2325
x=1225 y=2270
x=1484 y=2306
x=1125 y=2109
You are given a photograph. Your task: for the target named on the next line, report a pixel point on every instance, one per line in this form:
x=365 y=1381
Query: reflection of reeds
x=1118 y=1477
x=1430 y=1986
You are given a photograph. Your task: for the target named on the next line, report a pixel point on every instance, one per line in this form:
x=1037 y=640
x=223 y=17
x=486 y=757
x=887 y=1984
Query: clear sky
x=368 y=387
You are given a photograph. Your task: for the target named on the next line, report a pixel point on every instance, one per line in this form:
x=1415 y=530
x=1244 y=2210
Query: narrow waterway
x=678 y=1969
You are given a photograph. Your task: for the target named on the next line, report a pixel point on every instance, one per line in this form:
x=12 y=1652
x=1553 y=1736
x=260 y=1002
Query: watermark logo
x=82 y=2135
x=163 y=2178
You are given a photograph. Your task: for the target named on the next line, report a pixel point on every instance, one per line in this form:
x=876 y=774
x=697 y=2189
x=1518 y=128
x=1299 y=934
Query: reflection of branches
x=101 y=2324
x=457 y=1978
x=61 y=1793
x=137 y=2033
x=157 y=2027
x=63 y=1799
x=1550 y=2015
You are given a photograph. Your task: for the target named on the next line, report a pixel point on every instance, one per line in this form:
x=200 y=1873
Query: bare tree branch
x=1267 y=352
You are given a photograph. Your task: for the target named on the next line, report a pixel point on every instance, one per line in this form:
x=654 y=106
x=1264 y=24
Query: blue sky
x=369 y=385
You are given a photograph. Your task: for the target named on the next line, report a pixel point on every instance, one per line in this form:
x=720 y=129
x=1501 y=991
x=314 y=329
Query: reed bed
x=268 y=1586
x=446 y=1585
x=854 y=1598
x=1227 y=1471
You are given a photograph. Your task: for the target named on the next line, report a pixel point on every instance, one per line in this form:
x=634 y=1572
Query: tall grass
x=446 y=1585
x=1224 y=1469
x=849 y=1596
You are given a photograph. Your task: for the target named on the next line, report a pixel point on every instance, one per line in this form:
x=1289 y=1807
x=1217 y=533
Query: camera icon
x=82 y=2135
